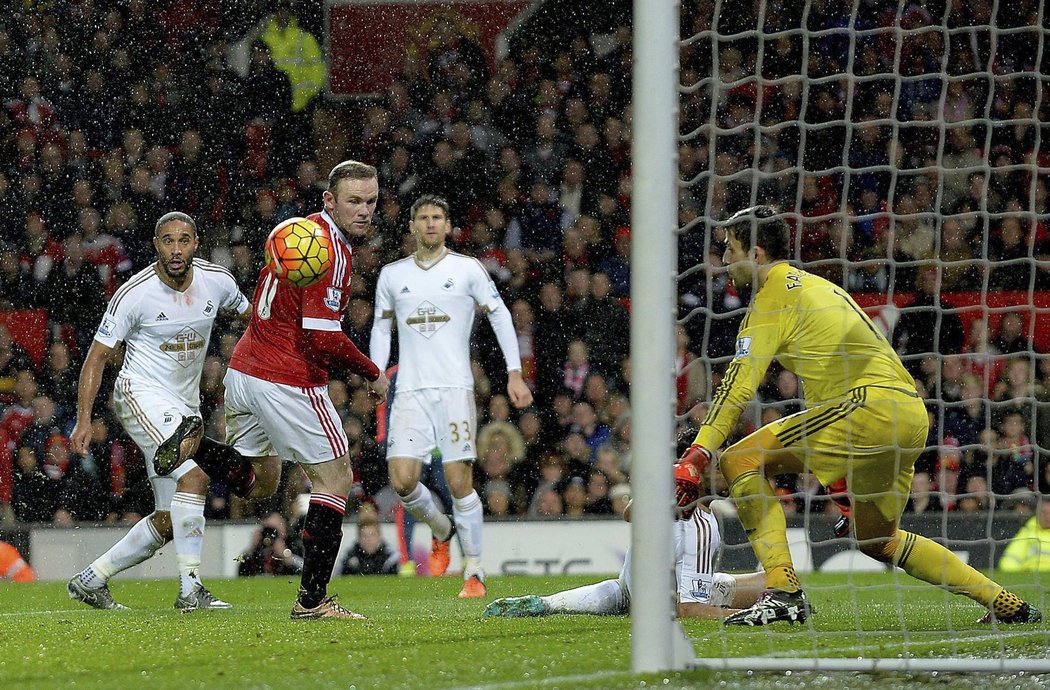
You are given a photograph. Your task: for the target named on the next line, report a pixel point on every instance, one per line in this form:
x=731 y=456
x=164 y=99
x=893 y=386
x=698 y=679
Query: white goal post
x=913 y=123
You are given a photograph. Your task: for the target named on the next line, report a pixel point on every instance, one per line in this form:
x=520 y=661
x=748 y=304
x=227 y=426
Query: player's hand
x=81 y=437
x=698 y=456
x=380 y=386
x=686 y=487
x=518 y=391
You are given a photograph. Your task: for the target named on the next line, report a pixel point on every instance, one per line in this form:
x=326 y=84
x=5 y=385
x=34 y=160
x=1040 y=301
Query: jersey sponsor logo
x=448 y=285
x=184 y=347
x=743 y=347
x=162 y=317
x=106 y=327
x=427 y=319
x=209 y=308
x=335 y=295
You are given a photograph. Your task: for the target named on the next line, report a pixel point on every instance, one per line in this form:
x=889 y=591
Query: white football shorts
x=294 y=423
x=696 y=546
x=150 y=415
x=442 y=418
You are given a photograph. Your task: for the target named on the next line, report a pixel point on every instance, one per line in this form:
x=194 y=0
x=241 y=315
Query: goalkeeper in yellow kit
x=863 y=422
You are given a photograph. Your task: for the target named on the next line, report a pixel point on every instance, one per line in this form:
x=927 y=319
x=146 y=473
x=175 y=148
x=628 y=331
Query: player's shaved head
x=172 y=217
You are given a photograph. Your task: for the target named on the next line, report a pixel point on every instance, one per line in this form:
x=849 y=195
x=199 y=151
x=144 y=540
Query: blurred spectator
x=924 y=498
x=370 y=555
x=1029 y=549
x=296 y=53
x=271 y=552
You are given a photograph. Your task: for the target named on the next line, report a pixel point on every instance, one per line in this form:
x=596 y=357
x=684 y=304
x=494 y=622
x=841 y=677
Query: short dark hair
x=429 y=200
x=174 y=215
x=761 y=226
x=351 y=170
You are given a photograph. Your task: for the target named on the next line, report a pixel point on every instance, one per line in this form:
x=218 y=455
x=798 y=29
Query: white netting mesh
x=905 y=142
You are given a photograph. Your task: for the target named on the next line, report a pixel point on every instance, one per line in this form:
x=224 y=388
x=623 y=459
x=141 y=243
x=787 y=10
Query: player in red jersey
x=277 y=401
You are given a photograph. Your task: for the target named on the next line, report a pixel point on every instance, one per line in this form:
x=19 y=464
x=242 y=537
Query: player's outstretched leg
x=222 y=463
x=516 y=607
x=90 y=585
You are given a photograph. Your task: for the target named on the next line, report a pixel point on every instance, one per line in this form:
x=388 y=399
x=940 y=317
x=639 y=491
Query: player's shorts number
x=459 y=431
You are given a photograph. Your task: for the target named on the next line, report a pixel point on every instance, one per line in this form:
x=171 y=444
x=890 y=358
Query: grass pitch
x=421 y=636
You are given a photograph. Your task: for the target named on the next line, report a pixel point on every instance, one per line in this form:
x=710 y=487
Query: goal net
x=905 y=144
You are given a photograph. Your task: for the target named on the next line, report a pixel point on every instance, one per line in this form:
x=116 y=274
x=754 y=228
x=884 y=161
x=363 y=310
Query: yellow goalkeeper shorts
x=872 y=438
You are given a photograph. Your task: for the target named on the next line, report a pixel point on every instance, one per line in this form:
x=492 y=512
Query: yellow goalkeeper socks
x=763 y=519
x=1006 y=604
x=929 y=561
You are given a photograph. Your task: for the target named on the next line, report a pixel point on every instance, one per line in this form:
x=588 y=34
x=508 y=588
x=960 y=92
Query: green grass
x=421 y=636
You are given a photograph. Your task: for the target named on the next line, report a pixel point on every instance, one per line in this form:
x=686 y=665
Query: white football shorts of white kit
x=428 y=418
x=150 y=415
x=697 y=543
x=292 y=422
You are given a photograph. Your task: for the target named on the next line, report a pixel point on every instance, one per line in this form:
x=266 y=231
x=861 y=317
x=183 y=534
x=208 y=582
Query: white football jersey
x=166 y=332
x=434 y=309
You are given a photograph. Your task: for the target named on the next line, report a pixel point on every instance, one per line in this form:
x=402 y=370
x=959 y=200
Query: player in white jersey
x=702 y=592
x=164 y=316
x=434 y=295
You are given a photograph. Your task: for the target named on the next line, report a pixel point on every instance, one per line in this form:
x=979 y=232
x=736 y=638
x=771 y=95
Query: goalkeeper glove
x=687 y=472
x=698 y=456
x=686 y=487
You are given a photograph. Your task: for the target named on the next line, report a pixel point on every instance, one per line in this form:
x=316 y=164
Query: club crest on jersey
x=209 y=308
x=333 y=298
x=106 y=327
x=427 y=319
x=743 y=347
x=448 y=285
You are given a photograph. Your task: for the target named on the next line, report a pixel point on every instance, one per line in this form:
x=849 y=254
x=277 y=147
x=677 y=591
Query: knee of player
x=193 y=482
x=881 y=550
x=404 y=475
x=737 y=459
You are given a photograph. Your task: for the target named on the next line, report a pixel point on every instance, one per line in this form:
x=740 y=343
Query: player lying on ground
x=702 y=593
x=864 y=421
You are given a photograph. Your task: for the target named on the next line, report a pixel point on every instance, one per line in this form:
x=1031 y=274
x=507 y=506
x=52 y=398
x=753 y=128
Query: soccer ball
x=299 y=251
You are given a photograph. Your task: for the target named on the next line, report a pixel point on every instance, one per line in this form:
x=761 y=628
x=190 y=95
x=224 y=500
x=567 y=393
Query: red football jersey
x=275 y=347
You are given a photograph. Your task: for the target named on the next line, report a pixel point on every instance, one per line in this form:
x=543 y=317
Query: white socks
x=423 y=508
x=468 y=515
x=602 y=598
x=187 y=523
x=140 y=543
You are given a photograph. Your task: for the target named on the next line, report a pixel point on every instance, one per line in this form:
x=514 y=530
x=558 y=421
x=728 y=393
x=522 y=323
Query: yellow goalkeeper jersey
x=815 y=330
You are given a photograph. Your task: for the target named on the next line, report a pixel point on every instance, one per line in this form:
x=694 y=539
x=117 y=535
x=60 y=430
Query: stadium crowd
x=112 y=113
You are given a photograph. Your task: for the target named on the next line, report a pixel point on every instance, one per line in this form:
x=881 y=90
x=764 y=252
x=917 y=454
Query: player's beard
x=181 y=275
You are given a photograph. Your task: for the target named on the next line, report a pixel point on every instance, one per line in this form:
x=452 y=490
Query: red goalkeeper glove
x=687 y=472
x=686 y=487
x=698 y=456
